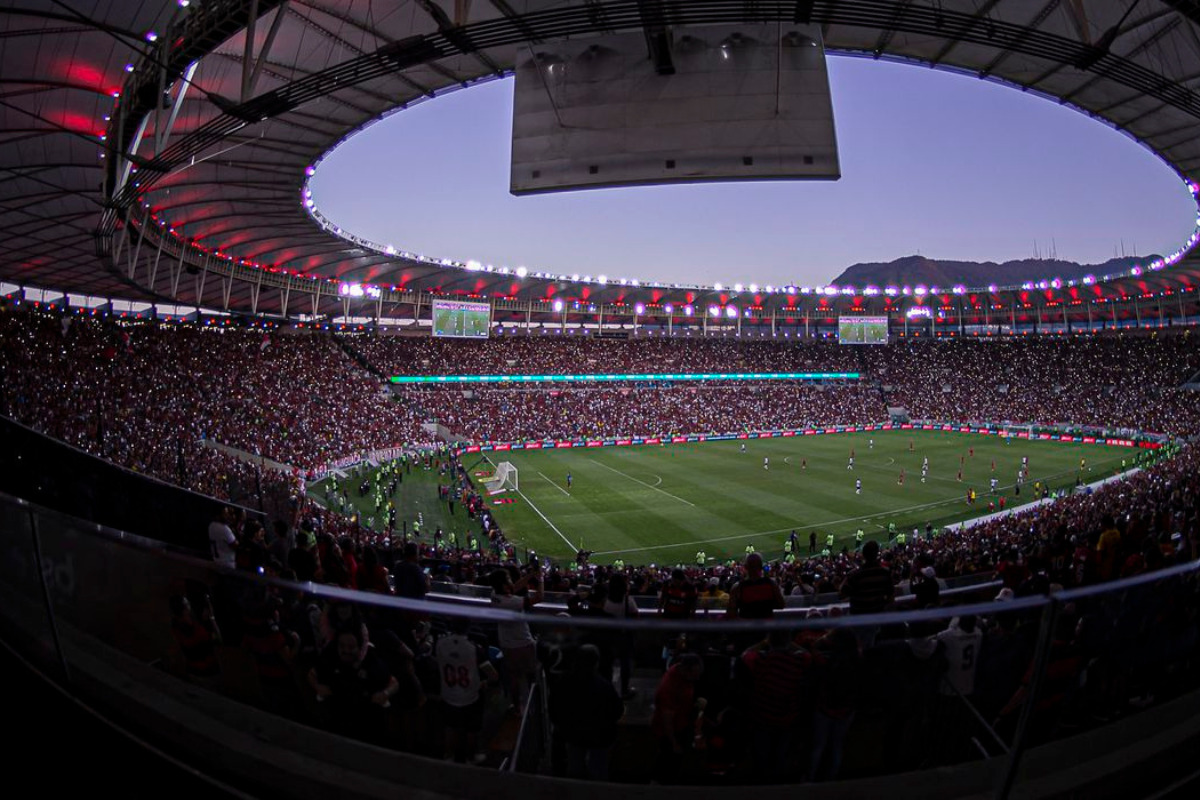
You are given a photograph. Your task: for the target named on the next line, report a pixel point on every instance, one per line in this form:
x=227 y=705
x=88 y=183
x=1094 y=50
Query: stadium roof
x=196 y=123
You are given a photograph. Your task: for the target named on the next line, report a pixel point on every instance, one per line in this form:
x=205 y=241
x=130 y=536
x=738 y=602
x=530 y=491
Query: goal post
x=506 y=478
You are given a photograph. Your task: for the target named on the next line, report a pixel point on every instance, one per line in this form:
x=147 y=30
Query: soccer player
x=858 y=486
x=900 y=480
x=804 y=463
x=568 y=480
x=766 y=462
x=850 y=465
x=1082 y=464
x=743 y=447
x=993 y=485
x=924 y=472
x=870 y=444
x=859 y=535
x=829 y=542
x=959 y=478
x=925 y=462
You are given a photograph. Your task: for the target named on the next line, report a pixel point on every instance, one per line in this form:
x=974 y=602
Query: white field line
x=950 y=501
x=643 y=483
x=555 y=485
x=782 y=530
x=545 y=519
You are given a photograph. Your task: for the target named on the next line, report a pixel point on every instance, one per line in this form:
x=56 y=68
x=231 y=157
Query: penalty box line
x=555 y=485
x=545 y=519
x=643 y=483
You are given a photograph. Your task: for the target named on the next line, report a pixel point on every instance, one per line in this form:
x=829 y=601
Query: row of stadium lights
x=368 y=290
x=225 y=323
x=754 y=288
x=914 y=313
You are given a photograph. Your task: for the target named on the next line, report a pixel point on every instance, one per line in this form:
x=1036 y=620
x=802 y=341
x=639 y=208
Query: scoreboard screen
x=862 y=330
x=461 y=320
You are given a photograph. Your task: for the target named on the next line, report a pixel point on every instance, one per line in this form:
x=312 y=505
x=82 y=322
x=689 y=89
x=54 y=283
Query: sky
x=933 y=163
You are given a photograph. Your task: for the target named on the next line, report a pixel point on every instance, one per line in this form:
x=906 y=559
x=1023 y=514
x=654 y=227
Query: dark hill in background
x=913 y=270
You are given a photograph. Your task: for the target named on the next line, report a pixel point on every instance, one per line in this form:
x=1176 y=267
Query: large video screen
x=862 y=330
x=460 y=319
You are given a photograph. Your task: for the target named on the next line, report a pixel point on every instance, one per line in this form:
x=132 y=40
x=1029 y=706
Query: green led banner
x=687 y=376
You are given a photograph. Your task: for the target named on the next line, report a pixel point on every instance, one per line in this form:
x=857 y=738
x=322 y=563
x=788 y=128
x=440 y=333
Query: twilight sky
x=934 y=163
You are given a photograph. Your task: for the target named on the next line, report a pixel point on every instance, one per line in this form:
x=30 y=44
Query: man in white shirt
x=962 y=641
x=222 y=542
x=515 y=639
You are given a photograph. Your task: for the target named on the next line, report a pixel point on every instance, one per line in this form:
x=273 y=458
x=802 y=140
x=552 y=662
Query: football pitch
x=663 y=504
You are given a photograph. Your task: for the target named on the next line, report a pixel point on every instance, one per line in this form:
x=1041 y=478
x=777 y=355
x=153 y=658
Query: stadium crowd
x=1128 y=381
x=802 y=688
x=150 y=397
x=518 y=413
x=153 y=398
x=558 y=354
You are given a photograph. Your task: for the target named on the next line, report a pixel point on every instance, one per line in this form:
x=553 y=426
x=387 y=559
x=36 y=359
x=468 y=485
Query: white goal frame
x=506 y=478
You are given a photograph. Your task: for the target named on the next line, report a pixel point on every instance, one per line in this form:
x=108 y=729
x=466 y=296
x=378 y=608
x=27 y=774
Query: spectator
x=222 y=540
x=357 y=684
x=619 y=604
x=755 y=596
x=836 y=701
x=778 y=670
x=586 y=709
x=516 y=641
x=675 y=703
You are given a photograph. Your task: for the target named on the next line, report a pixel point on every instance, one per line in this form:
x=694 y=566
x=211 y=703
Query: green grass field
x=651 y=504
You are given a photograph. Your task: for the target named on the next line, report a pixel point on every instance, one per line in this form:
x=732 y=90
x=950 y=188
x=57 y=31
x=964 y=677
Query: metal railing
x=68 y=585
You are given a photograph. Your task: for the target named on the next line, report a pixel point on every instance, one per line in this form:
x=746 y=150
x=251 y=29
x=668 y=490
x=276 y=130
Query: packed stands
x=152 y=398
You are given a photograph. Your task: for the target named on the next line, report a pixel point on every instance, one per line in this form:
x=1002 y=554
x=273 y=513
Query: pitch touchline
x=555 y=485
x=538 y=511
x=643 y=483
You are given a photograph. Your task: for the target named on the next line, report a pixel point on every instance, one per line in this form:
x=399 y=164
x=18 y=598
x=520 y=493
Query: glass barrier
x=590 y=686
x=25 y=580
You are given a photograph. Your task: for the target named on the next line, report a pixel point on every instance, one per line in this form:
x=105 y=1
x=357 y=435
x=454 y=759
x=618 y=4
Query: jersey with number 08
x=458 y=660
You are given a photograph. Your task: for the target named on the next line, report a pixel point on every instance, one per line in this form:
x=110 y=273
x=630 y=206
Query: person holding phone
x=515 y=639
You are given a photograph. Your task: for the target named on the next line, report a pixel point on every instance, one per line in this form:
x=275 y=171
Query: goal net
x=504 y=479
